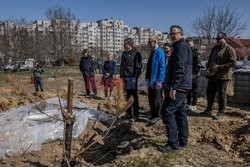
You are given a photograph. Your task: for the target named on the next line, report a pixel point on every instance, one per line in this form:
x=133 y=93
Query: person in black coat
x=130 y=69
x=87 y=68
x=108 y=73
x=179 y=82
x=193 y=94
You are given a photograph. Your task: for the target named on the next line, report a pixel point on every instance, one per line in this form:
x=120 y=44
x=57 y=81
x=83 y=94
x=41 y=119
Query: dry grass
x=63 y=92
x=9 y=79
x=7 y=103
x=17 y=87
x=3 y=103
x=117 y=103
x=121 y=101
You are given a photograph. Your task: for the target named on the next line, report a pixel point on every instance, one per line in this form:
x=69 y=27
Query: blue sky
x=157 y=14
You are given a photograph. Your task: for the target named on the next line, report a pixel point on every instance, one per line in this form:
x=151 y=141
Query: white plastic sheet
x=26 y=128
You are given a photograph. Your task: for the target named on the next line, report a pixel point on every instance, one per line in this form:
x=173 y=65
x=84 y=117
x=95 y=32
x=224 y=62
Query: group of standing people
x=171 y=73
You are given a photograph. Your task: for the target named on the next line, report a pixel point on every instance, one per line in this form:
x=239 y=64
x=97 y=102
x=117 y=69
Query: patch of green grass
x=152 y=141
x=161 y=160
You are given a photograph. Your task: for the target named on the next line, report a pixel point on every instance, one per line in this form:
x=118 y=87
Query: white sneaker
x=193 y=108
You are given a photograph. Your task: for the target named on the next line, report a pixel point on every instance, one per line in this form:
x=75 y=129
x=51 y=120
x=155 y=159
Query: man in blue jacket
x=179 y=82
x=155 y=75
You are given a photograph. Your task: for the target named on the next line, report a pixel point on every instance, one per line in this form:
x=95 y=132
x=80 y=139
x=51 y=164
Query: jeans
x=175 y=118
x=38 y=83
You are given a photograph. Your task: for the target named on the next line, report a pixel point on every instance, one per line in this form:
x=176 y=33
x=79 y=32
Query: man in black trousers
x=179 y=82
x=193 y=94
x=87 y=68
x=155 y=75
x=130 y=69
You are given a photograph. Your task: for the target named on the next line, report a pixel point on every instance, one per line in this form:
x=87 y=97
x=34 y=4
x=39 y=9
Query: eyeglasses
x=174 y=33
x=218 y=39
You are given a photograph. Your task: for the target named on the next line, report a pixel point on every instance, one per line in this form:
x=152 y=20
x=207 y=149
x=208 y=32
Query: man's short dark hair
x=189 y=39
x=129 y=41
x=223 y=35
x=178 y=27
x=85 y=51
x=167 y=45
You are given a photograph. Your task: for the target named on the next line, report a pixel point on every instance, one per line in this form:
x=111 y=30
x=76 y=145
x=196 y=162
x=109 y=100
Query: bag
x=230 y=87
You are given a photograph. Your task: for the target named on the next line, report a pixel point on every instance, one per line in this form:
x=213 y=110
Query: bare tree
x=218 y=19
x=15 y=40
x=228 y=20
x=63 y=31
x=204 y=25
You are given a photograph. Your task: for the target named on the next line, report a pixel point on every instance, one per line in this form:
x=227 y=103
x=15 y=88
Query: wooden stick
x=68 y=126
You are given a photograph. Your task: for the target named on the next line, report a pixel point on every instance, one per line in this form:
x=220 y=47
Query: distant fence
x=241 y=87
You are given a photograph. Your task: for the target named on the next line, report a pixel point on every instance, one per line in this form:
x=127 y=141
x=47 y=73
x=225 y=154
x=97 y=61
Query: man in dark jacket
x=38 y=81
x=179 y=82
x=155 y=75
x=167 y=47
x=87 y=68
x=130 y=69
x=192 y=94
x=220 y=63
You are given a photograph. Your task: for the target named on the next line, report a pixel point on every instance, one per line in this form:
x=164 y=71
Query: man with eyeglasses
x=219 y=71
x=179 y=82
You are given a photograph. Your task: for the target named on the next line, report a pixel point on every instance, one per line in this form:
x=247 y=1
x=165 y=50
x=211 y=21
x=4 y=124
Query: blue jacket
x=158 y=66
x=179 y=66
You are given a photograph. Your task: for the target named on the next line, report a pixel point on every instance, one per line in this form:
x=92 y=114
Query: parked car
x=27 y=64
x=246 y=63
x=244 y=67
x=20 y=65
x=238 y=65
x=11 y=67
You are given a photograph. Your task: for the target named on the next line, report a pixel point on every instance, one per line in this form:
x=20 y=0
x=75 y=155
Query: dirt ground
x=224 y=142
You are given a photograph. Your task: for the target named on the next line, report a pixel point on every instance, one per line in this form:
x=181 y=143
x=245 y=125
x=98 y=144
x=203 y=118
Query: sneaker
x=184 y=145
x=167 y=148
x=193 y=108
x=127 y=116
x=153 y=120
x=206 y=113
x=86 y=94
x=135 y=118
x=219 y=116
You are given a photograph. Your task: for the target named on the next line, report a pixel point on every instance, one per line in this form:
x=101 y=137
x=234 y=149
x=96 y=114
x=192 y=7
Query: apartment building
x=106 y=34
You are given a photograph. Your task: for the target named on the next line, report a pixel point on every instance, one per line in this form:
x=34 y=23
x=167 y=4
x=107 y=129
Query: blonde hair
x=110 y=54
